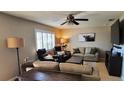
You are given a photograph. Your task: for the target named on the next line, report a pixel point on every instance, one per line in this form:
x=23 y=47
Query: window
x=45 y=39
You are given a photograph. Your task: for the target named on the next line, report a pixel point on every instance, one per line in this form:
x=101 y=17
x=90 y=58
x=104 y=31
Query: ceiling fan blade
x=76 y=23
x=64 y=23
x=81 y=19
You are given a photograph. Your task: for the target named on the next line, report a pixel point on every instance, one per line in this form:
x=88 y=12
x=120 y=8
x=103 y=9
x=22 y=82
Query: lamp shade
x=15 y=42
x=63 y=40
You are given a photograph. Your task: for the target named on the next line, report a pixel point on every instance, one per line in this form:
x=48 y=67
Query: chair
x=41 y=53
x=58 y=48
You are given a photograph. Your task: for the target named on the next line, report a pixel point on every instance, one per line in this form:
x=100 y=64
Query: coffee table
x=75 y=59
x=35 y=75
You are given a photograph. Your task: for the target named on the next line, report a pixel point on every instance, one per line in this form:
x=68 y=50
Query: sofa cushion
x=47 y=65
x=90 y=57
x=48 y=57
x=93 y=50
x=94 y=77
x=87 y=50
x=78 y=54
x=75 y=68
x=90 y=78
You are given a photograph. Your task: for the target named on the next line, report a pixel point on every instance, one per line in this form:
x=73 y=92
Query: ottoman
x=75 y=59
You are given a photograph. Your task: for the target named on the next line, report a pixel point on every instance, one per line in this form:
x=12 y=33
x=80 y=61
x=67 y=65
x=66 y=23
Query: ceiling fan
x=71 y=20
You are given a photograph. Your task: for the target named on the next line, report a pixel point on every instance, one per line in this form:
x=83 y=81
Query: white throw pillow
x=48 y=56
x=87 y=50
x=61 y=53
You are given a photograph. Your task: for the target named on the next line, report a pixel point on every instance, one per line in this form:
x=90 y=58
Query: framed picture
x=87 y=37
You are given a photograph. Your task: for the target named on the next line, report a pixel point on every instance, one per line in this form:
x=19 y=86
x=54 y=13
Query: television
x=115 y=32
x=122 y=32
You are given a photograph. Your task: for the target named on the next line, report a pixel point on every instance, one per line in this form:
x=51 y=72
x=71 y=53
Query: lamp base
x=18 y=61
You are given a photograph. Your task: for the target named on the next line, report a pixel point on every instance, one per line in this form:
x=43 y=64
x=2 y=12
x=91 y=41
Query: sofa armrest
x=30 y=59
x=26 y=65
x=94 y=77
x=90 y=78
x=96 y=54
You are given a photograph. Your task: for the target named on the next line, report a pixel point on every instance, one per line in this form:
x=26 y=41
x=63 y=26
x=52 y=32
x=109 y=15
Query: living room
x=27 y=24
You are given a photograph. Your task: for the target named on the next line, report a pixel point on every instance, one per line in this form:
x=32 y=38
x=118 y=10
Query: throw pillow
x=41 y=53
x=87 y=50
x=76 y=50
x=93 y=51
x=82 y=50
x=48 y=57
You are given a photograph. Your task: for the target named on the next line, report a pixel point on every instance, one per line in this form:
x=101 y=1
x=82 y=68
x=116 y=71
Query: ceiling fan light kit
x=71 y=20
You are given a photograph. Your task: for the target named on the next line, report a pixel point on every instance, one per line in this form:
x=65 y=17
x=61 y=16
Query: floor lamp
x=15 y=42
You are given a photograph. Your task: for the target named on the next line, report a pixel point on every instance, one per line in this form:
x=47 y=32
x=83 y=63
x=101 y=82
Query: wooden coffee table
x=35 y=75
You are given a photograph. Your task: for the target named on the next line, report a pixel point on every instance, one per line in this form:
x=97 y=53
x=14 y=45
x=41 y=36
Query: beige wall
x=58 y=33
x=12 y=26
x=102 y=41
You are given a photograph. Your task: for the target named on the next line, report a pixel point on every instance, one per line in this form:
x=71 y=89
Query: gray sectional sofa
x=88 y=53
x=86 y=71
x=72 y=66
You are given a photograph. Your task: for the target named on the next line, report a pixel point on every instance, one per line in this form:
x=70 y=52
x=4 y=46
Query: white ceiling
x=55 y=18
